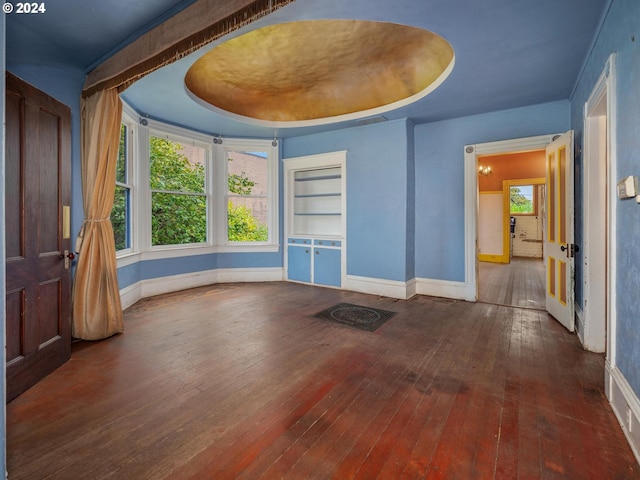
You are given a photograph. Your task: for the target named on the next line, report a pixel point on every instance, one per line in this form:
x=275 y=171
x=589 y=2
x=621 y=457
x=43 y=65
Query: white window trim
x=216 y=185
x=220 y=216
x=184 y=137
x=128 y=118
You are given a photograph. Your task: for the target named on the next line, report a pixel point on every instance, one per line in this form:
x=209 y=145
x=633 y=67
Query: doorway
x=510 y=228
x=503 y=276
x=596 y=325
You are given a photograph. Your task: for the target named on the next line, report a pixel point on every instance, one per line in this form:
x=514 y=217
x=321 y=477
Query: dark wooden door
x=37 y=189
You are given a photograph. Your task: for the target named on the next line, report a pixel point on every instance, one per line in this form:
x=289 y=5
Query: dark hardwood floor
x=520 y=283
x=241 y=381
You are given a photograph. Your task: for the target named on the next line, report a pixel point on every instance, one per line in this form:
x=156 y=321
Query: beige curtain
x=97 y=312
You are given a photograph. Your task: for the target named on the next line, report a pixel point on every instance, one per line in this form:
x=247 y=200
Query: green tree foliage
x=120 y=200
x=118 y=219
x=242 y=225
x=178 y=217
x=519 y=203
x=240 y=183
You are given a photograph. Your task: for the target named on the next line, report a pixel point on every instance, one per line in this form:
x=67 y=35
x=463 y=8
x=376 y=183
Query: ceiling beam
x=182 y=34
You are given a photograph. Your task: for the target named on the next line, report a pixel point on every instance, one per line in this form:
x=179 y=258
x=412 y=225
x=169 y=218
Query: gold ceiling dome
x=320 y=71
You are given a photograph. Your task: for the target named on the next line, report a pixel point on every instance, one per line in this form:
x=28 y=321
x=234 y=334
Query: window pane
x=247 y=173
x=247 y=207
x=178 y=219
x=522 y=200
x=247 y=219
x=121 y=211
x=121 y=167
x=176 y=167
x=120 y=218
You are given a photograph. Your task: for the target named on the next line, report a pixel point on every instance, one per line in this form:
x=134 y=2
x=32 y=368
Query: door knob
x=67 y=255
x=571 y=249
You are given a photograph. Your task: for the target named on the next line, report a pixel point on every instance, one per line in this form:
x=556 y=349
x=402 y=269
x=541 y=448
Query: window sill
x=127 y=258
x=159 y=253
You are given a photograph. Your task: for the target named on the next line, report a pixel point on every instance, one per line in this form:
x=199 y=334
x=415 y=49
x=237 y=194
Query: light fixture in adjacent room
x=316 y=72
x=484 y=170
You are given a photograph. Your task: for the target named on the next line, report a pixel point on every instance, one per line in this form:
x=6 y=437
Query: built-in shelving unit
x=315 y=211
x=317 y=202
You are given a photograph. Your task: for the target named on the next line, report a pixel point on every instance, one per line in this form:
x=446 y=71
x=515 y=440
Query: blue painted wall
x=378 y=166
x=621 y=33
x=65 y=85
x=150 y=269
x=439 y=178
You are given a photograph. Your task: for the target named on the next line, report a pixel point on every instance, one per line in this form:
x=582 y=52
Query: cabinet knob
x=306 y=251
x=317 y=252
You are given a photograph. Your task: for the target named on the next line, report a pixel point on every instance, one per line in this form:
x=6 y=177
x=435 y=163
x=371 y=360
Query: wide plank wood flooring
x=241 y=381
x=520 y=283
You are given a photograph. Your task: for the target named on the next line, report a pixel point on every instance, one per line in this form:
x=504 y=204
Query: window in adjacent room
x=523 y=200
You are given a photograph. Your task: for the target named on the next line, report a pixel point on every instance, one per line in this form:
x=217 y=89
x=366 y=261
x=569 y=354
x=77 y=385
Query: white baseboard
x=130 y=295
x=380 y=286
x=446 y=289
x=275 y=274
x=175 y=283
x=371 y=286
x=626 y=406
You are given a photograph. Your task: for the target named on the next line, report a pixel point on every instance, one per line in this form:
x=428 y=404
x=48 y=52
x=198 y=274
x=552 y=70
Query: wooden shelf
x=318 y=214
x=316 y=195
x=320 y=177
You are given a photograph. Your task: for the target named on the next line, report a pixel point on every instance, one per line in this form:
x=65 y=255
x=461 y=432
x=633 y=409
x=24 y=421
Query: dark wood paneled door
x=38 y=194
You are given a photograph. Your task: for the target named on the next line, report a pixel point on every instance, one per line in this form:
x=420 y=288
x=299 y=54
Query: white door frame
x=598 y=329
x=471 y=201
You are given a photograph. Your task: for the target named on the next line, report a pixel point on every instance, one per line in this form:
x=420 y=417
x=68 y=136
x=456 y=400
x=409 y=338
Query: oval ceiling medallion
x=320 y=71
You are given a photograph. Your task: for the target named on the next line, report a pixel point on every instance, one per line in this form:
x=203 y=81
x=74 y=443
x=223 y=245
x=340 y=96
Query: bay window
x=193 y=195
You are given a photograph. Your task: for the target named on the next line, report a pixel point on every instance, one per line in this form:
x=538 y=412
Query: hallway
x=520 y=283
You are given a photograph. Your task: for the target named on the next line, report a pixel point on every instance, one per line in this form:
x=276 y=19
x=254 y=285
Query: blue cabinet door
x=327 y=267
x=299 y=266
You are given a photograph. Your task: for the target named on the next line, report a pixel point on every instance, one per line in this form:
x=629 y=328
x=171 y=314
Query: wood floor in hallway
x=520 y=283
x=242 y=381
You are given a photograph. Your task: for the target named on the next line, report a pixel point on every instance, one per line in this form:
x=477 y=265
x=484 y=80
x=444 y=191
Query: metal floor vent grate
x=358 y=316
